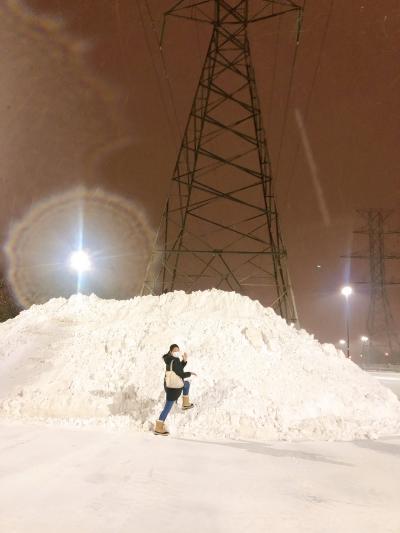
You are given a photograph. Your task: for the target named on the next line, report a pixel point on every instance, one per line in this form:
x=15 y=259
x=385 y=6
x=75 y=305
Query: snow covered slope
x=92 y=361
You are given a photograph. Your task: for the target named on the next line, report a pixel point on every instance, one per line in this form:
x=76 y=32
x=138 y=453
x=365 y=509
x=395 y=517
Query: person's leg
x=186 y=387
x=185 y=399
x=166 y=410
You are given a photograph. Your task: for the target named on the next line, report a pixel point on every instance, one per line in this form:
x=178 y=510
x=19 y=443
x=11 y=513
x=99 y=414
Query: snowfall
x=81 y=385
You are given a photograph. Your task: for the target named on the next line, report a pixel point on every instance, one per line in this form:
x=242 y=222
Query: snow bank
x=92 y=361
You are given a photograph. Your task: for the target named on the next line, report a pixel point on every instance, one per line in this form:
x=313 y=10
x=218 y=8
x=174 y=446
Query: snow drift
x=90 y=361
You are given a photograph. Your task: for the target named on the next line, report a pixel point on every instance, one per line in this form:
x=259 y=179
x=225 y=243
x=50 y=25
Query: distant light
x=347 y=291
x=364 y=338
x=342 y=342
x=386 y=353
x=80 y=261
x=319 y=266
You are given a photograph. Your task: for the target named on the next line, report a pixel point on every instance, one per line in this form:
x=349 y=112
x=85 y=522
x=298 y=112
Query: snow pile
x=87 y=360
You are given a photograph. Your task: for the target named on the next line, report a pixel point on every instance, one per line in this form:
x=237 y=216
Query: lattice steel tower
x=220 y=227
x=381 y=328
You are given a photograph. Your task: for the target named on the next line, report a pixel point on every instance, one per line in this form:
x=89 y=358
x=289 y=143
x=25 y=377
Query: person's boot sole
x=189 y=407
x=163 y=434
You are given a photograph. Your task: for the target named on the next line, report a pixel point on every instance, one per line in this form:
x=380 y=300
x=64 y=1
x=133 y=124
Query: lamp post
x=364 y=343
x=80 y=262
x=347 y=291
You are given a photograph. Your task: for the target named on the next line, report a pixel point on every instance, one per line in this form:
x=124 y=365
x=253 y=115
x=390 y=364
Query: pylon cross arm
x=222 y=12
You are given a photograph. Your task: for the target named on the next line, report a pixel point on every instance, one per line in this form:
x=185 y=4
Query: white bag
x=172 y=380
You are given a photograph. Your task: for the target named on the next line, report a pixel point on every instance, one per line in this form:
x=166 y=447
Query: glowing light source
x=347 y=291
x=342 y=342
x=364 y=338
x=80 y=261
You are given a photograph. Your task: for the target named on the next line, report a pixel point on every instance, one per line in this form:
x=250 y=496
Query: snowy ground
x=391 y=380
x=94 y=481
x=87 y=361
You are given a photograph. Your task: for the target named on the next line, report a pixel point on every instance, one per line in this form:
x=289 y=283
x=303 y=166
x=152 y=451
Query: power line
x=271 y=97
x=165 y=71
x=316 y=71
x=173 y=127
x=288 y=98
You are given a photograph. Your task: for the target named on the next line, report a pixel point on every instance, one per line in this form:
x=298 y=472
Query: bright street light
x=80 y=261
x=342 y=342
x=347 y=291
x=364 y=338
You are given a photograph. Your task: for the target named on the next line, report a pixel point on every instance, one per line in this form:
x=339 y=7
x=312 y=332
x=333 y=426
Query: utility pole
x=220 y=227
x=383 y=337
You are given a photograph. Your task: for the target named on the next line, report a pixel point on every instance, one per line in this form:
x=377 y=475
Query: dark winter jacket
x=177 y=367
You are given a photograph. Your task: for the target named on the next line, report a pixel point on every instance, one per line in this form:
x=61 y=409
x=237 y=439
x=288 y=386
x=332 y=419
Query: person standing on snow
x=175 y=366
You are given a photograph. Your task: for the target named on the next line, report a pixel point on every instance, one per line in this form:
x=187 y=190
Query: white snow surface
x=88 y=361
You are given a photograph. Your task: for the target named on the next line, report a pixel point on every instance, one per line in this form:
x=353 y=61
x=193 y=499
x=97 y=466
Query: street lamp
x=364 y=342
x=347 y=291
x=80 y=261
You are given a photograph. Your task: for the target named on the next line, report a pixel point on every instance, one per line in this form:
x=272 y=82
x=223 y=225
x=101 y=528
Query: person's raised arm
x=184 y=359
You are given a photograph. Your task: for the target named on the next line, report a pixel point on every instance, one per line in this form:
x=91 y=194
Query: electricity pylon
x=383 y=336
x=220 y=227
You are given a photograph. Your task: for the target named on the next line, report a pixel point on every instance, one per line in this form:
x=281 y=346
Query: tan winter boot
x=160 y=428
x=186 y=403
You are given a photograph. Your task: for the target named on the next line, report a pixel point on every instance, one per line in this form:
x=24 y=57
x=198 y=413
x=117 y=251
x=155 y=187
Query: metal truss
x=220 y=227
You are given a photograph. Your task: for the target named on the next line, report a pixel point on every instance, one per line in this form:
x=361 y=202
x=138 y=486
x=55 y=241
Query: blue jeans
x=170 y=403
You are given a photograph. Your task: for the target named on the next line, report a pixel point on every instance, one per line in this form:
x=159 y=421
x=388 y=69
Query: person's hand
x=193 y=374
x=184 y=356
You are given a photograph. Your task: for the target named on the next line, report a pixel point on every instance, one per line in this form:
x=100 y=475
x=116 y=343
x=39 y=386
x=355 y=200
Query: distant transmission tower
x=383 y=334
x=220 y=227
